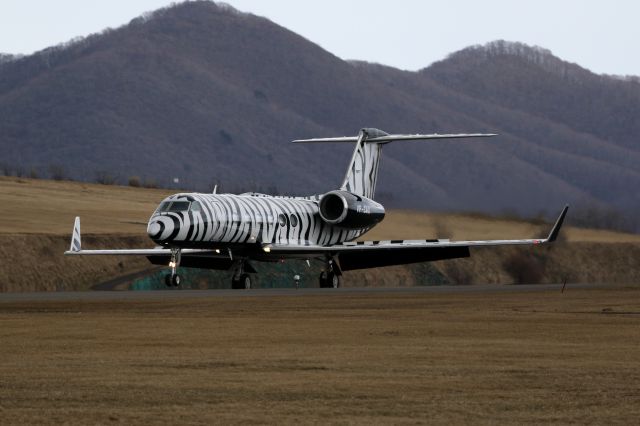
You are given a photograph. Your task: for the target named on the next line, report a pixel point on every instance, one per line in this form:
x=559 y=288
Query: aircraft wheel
x=175 y=280
x=334 y=280
x=167 y=280
x=245 y=281
x=323 y=279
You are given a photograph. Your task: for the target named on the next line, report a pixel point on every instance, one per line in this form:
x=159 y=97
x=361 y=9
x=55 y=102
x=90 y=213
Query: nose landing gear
x=173 y=279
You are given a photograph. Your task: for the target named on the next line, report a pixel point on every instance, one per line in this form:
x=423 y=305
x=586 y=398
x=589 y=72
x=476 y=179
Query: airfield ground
x=461 y=355
x=367 y=357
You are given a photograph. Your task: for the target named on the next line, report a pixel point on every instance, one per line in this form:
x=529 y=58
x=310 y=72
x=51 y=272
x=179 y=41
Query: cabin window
x=294 y=220
x=175 y=206
x=282 y=220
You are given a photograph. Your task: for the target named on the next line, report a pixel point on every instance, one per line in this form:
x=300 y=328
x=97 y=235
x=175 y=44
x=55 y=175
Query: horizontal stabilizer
x=391 y=138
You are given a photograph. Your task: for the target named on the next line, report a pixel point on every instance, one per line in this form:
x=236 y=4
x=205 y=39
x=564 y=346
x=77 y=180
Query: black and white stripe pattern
x=247 y=218
x=362 y=173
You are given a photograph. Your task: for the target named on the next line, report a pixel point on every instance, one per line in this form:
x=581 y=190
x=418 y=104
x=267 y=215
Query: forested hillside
x=207 y=94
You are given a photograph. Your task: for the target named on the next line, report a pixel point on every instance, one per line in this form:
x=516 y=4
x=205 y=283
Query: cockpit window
x=195 y=206
x=164 y=206
x=179 y=206
x=173 y=206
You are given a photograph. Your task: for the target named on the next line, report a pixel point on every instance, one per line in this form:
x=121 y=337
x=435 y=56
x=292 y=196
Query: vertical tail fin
x=362 y=173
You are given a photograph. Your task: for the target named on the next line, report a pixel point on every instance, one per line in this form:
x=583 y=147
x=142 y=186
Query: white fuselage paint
x=240 y=219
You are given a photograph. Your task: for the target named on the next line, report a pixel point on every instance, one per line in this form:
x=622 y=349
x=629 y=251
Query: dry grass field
x=542 y=357
x=49 y=207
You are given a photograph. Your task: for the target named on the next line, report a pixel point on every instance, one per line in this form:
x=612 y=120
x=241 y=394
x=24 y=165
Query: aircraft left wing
x=369 y=254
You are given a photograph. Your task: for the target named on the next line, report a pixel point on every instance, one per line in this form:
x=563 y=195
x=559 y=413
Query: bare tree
x=57 y=172
x=105 y=178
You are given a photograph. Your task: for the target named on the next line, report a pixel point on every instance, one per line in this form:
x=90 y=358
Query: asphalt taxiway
x=171 y=294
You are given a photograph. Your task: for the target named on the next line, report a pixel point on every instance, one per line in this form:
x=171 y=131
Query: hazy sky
x=603 y=36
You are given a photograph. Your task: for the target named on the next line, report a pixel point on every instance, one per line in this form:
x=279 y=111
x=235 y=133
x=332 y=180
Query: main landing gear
x=331 y=277
x=240 y=279
x=173 y=279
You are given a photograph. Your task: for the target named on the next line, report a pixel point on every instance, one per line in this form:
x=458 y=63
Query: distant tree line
x=539 y=56
x=59 y=172
x=587 y=215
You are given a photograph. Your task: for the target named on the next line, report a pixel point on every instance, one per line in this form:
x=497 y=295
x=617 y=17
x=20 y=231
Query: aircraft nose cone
x=153 y=229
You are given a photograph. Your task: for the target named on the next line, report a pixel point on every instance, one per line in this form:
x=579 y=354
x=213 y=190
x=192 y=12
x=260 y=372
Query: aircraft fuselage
x=198 y=220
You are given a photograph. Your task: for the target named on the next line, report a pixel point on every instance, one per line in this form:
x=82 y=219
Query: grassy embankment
x=37 y=218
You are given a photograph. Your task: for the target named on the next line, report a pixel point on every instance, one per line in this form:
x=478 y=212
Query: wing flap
x=374 y=246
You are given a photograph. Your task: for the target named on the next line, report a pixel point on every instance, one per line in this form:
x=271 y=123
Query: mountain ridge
x=208 y=94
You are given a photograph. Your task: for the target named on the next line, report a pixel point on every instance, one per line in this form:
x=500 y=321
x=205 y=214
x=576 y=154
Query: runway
x=173 y=294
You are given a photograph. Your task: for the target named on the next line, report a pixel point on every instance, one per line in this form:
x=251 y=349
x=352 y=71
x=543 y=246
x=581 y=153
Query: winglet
x=75 y=237
x=556 y=228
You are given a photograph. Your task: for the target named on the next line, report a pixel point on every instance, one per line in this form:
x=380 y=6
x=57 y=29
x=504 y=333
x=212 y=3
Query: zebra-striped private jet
x=227 y=231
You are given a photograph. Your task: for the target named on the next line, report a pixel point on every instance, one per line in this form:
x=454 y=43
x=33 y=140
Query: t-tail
x=362 y=173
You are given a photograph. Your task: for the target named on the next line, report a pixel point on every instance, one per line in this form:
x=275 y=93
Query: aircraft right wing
x=370 y=254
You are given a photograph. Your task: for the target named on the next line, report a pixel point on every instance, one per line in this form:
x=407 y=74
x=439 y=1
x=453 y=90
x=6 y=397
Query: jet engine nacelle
x=347 y=210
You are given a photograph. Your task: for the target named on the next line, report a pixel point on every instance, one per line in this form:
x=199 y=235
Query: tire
x=334 y=280
x=323 y=279
x=245 y=281
x=175 y=280
x=167 y=280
